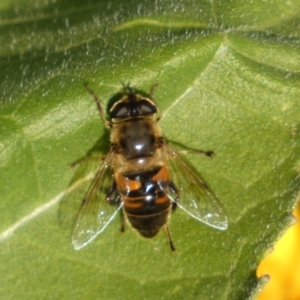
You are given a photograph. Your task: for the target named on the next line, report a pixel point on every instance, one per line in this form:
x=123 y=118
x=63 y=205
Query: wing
x=194 y=196
x=95 y=212
x=85 y=172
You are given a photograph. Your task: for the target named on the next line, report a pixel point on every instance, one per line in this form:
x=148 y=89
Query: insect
x=141 y=176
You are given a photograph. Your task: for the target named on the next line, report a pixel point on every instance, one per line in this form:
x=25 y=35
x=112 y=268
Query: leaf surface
x=229 y=82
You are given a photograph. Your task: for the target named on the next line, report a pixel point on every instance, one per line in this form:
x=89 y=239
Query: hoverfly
x=141 y=176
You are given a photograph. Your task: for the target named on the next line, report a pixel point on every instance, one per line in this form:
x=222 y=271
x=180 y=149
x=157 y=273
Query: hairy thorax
x=137 y=142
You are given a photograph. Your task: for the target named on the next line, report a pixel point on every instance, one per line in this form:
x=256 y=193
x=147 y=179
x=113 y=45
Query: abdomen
x=146 y=205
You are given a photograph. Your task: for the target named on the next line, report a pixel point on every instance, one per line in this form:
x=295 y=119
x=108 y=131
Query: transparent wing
x=95 y=213
x=83 y=176
x=192 y=193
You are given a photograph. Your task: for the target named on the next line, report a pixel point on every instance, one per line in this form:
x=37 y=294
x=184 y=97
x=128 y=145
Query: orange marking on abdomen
x=124 y=184
x=162 y=175
x=133 y=204
x=161 y=200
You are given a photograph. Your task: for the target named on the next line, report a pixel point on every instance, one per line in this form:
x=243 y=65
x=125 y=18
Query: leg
x=112 y=195
x=100 y=109
x=123 y=221
x=174 y=189
x=83 y=159
x=174 y=206
x=187 y=150
x=209 y=154
x=155 y=85
x=167 y=230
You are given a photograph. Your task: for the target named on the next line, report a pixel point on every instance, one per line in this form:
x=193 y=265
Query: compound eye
x=147 y=108
x=120 y=111
x=133 y=109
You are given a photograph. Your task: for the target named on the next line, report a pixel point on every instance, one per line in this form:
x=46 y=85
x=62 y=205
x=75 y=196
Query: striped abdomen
x=147 y=207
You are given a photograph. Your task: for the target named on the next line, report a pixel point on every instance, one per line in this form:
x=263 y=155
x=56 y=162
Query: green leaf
x=229 y=82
